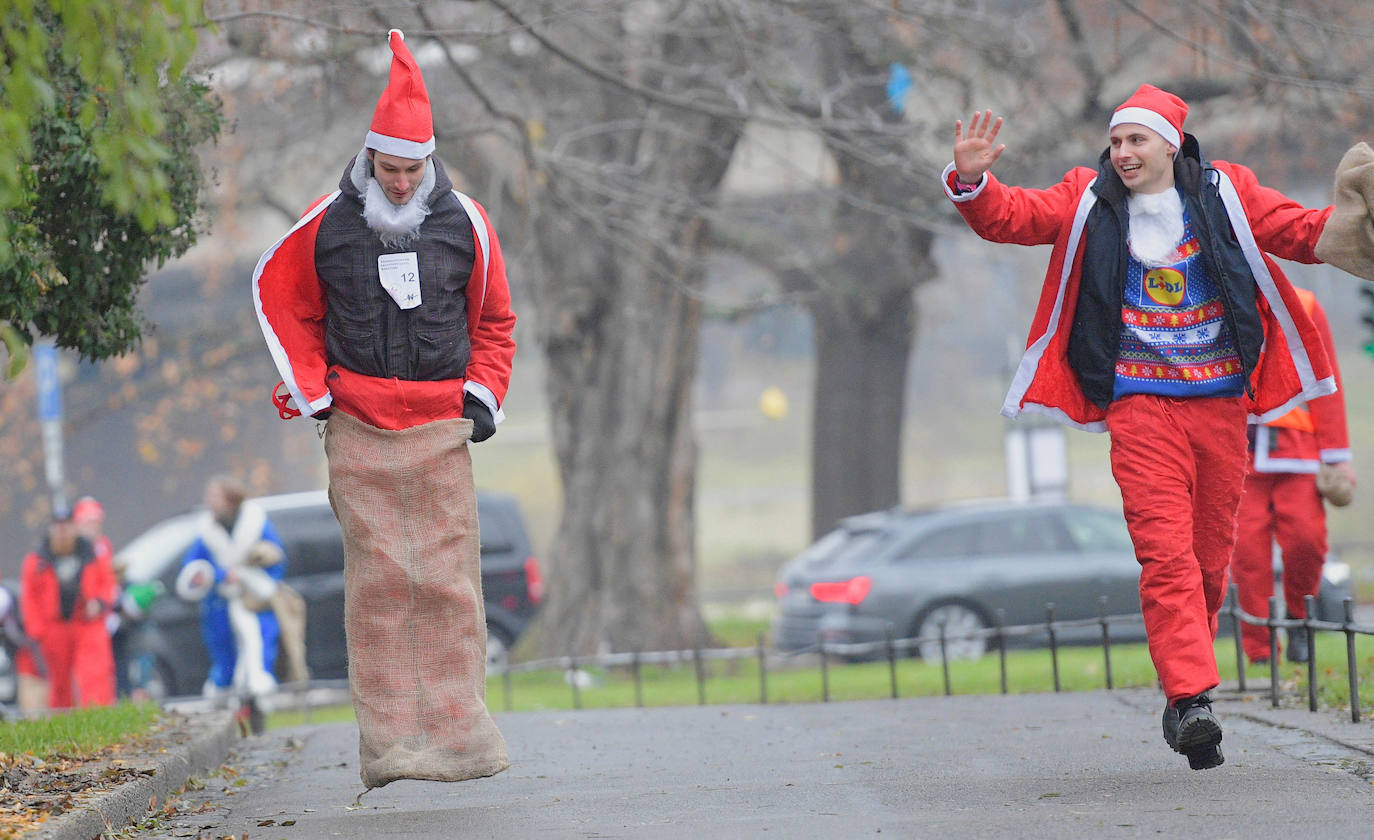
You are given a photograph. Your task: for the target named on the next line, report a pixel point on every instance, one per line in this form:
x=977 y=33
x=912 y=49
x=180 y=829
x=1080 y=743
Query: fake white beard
x=395 y=224
x=1156 y=226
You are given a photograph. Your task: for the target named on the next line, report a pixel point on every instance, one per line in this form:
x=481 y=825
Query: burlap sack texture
x=413 y=611
x=1347 y=241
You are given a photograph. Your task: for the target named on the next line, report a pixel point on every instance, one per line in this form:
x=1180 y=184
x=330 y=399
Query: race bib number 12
x=400 y=275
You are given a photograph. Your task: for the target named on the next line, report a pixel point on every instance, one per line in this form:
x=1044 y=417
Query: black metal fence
x=996 y=637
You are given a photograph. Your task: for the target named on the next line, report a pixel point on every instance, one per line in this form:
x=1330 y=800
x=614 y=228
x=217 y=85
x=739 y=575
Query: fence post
x=1106 y=639
x=763 y=673
x=825 y=675
x=1350 y=664
x=944 y=658
x=639 y=683
x=891 y=662
x=1054 y=644
x=1310 y=605
x=1001 y=620
x=573 y=680
x=1273 y=652
x=701 y=674
x=1233 y=599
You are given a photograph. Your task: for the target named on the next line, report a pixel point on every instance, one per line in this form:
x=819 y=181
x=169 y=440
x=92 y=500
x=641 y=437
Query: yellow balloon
x=773 y=403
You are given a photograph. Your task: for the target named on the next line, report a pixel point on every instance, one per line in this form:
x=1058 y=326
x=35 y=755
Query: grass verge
x=79 y=731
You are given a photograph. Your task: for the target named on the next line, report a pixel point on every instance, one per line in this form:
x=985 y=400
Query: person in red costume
x=387 y=311
x=1164 y=321
x=1282 y=503
x=88 y=515
x=66 y=590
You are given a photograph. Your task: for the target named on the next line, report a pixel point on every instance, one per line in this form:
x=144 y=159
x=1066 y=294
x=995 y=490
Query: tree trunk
x=619 y=385
x=857 y=412
x=621 y=234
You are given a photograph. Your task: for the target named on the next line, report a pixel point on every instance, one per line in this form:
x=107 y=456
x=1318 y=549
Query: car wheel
x=498 y=646
x=957 y=619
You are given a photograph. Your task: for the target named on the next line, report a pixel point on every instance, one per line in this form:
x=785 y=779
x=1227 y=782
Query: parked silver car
x=909 y=572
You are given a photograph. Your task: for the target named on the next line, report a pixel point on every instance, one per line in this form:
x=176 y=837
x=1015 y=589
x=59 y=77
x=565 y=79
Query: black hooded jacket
x=365 y=331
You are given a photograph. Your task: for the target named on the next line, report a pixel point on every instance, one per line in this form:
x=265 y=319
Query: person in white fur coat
x=233 y=569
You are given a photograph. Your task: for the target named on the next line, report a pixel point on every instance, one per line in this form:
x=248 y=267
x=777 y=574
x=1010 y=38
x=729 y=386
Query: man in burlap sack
x=387 y=312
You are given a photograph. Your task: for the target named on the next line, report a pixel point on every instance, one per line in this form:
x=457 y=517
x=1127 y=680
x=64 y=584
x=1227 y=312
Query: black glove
x=483 y=424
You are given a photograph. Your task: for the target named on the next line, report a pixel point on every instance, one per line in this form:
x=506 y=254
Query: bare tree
x=598 y=135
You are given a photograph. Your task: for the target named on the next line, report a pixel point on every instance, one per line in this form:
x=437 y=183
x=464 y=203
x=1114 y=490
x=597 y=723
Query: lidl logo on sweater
x=1165 y=286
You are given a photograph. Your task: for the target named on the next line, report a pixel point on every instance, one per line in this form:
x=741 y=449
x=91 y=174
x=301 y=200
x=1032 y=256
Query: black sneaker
x=1297 y=645
x=1191 y=728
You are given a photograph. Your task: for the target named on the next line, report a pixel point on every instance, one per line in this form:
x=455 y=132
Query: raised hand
x=975 y=151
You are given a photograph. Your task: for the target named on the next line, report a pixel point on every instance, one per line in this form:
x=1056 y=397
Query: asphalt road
x=1025 y=766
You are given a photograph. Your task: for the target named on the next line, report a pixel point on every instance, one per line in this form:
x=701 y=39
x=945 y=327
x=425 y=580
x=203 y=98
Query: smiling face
x=398 y=176
x=1143 y=159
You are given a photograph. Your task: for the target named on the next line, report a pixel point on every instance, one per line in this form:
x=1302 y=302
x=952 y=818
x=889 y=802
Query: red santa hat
x=1156 y=109
x=402 y=124
x=87 y=509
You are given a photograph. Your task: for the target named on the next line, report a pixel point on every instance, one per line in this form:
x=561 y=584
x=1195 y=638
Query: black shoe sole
x=1199 y=738
x=1205 y=758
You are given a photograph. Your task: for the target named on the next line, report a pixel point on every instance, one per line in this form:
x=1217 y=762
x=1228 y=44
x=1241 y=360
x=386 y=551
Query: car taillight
x=851 y=591
x=534 y=580
x=780 y=590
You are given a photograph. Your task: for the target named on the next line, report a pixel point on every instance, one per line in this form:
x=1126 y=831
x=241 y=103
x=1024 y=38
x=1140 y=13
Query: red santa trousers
x=1285 y=507
x=81 y=669
x=1180 y=464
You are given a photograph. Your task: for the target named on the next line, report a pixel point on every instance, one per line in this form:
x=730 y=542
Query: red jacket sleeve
x=37 y=598
x=1281 y=226
x=1001 y=213
x=290 y=304
x=491 y=321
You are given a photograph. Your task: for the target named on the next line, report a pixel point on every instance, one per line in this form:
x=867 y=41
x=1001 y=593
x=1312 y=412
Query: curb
x=1331 y=725
x=202 y=743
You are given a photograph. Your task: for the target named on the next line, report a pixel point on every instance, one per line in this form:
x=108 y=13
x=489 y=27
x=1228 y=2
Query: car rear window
x=1007 y=533
x=157 y=552
x=846 y=544
x=1094 y=530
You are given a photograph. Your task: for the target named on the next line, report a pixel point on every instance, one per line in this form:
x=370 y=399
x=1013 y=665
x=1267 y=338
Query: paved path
x=1026 y=766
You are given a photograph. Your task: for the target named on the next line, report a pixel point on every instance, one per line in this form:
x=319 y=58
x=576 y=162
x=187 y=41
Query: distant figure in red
x=88 y=515
x=1283 y=503
x=66 y=589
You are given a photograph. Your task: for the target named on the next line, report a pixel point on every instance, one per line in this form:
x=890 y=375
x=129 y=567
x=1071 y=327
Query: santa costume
x=394 y=322
x=1164 y=321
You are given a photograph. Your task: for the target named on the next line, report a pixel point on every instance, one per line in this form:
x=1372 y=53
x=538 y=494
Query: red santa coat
x=1294 y=366
x=290 y=303
x=76 y=650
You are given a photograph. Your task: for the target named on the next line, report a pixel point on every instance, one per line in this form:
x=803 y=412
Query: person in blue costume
x=233 y=569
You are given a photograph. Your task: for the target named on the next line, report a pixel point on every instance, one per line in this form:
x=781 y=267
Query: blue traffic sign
x=49 y=389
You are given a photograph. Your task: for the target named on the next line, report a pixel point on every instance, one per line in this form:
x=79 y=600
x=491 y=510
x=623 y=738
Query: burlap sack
x=413 y=612
x=289 y=607
x=1347 y=241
